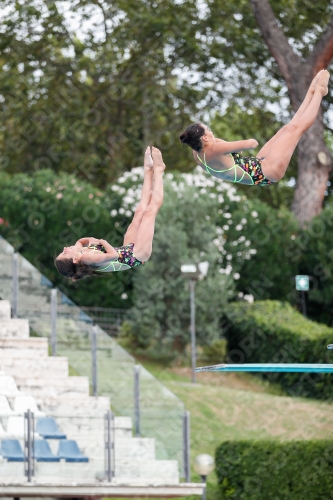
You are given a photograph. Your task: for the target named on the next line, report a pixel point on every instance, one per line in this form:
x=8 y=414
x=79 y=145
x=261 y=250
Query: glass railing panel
x=160 y=410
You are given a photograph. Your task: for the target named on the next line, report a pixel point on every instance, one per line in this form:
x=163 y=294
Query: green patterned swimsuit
x=125 y=261
x=250 y=172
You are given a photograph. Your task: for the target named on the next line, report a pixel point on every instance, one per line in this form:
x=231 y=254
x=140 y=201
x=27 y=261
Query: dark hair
x=192 y=136
x=76 y=272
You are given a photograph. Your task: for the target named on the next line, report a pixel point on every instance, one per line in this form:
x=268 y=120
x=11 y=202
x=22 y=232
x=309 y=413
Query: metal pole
x=137 y=399
x=203 y=480
x=193 y=343
x=94 y=359
x=15 y=286
x=54 y=321
x=303 y=303
x=29 y=445
x=109 y=446
x=186 y=447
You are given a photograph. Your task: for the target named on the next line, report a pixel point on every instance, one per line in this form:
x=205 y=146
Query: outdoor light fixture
x=194 y=272
x=204 y=464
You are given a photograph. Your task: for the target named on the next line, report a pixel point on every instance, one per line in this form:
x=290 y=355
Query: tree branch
x=275 y=39
x=322 y=53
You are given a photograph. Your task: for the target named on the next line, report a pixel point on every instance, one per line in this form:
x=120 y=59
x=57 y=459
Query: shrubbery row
x=268 y=470
x=274 y=332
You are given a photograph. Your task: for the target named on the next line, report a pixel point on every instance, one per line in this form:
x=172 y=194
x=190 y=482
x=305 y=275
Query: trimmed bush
x=216 y=352
x=273 y=332
x=268 y=470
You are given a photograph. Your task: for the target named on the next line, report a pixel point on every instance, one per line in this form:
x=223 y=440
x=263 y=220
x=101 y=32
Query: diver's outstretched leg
x=265 y=149
x=278 y=157
x=132 y=230
x=144 y=241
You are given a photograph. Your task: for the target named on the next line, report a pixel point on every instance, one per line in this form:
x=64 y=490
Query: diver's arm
x=226 y=147
x=109 y=248
x=92 y=258
x=83 y=242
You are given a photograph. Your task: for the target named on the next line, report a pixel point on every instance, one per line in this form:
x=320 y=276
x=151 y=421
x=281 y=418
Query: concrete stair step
x=17 y=328
x=63 y=407
x=5 y=309
x=123 y=427
x=135 y=448
x=152 y=471
x=69 y=387
x=12 y=353
x=53 y=367
x=35 y=343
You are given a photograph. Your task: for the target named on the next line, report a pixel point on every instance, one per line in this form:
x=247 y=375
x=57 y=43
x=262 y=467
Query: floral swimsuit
x=249 y=165
x=125 y=261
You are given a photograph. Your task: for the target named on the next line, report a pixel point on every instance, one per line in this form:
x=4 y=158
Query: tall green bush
x=274 y=332
x=48 y=211
x=268 y=470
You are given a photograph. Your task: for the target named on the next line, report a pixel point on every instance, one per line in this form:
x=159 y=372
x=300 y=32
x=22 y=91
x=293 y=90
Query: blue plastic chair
x=43 y=452
x=69 y=450
x=48 y=428
x=11 y=450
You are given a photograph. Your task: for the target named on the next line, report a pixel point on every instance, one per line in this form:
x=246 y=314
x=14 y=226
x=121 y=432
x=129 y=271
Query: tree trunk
x=314 y=158
x=314 y=167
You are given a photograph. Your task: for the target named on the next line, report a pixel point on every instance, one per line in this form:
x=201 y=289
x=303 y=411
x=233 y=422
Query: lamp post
x=193 y=272
x=303 y=285
x=203 y=465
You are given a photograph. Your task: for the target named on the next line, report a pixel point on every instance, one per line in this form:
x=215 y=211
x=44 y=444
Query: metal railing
x=110 y=320
x=155 y=411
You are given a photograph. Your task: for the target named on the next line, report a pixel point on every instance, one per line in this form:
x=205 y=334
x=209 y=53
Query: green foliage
x=262 y=249
x=273 y=332
x=315 y=246
x=90 y=102
x=216 y=352
x=47 y=212
x=185 y=232
x=268 y=470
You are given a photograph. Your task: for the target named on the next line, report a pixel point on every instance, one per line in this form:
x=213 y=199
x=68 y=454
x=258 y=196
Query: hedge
x=274 y=332
x=268 y=470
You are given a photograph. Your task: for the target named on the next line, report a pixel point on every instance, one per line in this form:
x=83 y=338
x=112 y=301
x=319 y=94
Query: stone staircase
x=78 y=415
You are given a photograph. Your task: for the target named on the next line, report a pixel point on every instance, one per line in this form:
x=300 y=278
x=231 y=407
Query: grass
x=234 y=406
x=223 y=406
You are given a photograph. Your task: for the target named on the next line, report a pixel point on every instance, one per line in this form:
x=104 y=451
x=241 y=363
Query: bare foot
x=323 y=82
x=157 y=159
x=148 y=161
x=315 y=80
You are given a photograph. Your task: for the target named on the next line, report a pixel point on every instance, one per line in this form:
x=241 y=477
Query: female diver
x=93 y=257
x=222 y=159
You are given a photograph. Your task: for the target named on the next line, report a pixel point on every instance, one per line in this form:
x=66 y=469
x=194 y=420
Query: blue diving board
x=269 y=367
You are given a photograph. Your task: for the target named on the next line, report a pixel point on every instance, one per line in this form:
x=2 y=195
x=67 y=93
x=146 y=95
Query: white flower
x=113 y=213
x=236 y=276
